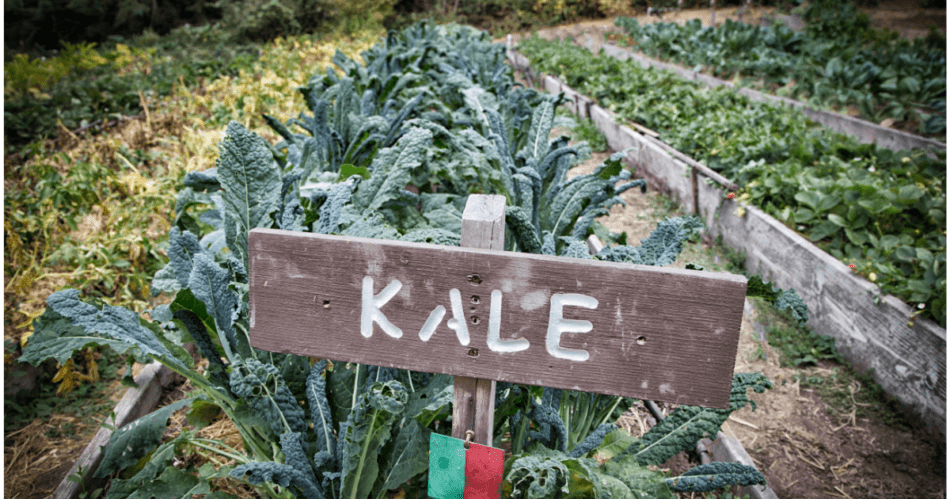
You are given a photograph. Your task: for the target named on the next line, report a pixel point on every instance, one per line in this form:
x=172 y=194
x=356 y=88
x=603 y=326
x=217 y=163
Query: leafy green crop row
x=83 y=87
x=437 y=109
x=838 y=61
x=882 y=211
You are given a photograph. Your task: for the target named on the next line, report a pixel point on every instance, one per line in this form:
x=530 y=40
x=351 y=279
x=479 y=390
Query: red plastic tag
x=459 y=473
x=484 y=467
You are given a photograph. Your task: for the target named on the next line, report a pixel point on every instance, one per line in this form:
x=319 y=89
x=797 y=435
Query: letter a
x=371 y=304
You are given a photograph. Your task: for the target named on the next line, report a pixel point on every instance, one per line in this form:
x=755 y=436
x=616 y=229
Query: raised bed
x=136 y=403
x=864 y=131
x=871 y=331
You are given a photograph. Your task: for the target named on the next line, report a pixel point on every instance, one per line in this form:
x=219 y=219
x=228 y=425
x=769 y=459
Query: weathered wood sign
x=653 y=333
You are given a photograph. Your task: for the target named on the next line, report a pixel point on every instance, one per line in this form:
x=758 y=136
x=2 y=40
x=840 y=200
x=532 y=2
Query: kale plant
x=390 y=149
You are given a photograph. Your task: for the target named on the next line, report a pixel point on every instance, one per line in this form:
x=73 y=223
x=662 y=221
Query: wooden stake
x=483 y=227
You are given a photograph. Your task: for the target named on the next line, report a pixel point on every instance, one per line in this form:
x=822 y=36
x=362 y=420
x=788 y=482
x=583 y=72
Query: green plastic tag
x=446 y=467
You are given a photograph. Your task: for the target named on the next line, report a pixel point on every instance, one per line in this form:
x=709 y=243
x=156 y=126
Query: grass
x=93 y=211
x=849 y=395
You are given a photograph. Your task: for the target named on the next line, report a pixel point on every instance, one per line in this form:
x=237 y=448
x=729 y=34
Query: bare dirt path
x=805 y=446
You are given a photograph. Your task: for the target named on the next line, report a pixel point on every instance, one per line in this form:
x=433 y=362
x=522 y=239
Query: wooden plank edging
x=725 y=448
x=136 y=403
x=871 y=330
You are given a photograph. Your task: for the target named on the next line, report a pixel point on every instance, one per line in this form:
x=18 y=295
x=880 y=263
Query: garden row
x=390 y=149
x=871 y=329
x=838 y=60
x=880 y=210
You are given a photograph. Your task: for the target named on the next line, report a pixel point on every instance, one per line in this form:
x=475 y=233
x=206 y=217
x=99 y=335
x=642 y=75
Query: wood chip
x=737 y=420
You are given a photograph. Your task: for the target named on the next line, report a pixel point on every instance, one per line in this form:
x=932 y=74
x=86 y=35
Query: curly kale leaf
x=687 y=424
x=715 y=475
x=661 y=248
x=251 y=180
x=136 y=439
x=281 y=474
x=263 y=389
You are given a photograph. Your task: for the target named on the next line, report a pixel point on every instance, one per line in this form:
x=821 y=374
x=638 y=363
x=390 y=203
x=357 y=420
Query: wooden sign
x=653 y=333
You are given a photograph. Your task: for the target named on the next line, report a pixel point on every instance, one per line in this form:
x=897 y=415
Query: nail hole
x=473 y=352
x=475 y=319
x=474 y=279
x=326 y=303
x=476 y=299
x=641 y=340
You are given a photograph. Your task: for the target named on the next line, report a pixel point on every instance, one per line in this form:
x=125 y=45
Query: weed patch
x=850 y=396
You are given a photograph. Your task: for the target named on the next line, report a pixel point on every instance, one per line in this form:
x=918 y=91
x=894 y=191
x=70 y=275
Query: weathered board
x=647 y=332
x=473 y=404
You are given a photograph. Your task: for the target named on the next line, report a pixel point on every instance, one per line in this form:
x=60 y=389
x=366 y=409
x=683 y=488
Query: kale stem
x=611 y=411
x=216 y=442
x=237 y=457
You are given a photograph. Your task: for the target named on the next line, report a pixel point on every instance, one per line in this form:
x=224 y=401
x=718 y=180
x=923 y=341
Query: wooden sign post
x=483 y=226
x=653 y=333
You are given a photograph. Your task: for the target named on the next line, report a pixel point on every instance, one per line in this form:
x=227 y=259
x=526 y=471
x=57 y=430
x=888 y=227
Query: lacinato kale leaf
x=687 y=424
x=715 y=475
x=367 y=429
x=251 y=180
x=136 y=439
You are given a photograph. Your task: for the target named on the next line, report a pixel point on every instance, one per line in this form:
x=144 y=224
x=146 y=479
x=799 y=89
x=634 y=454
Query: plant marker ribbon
x=463 y=469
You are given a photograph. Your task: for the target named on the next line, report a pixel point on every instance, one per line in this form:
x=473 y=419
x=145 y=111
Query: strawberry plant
x=434 y=108
x=860 y=203
x=837 y=61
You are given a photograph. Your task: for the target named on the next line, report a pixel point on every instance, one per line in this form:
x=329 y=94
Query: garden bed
x=865 y=131
x=907 y=355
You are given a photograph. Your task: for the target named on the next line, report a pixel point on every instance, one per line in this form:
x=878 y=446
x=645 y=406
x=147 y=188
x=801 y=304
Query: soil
x=802 y=449
x=805 y=448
